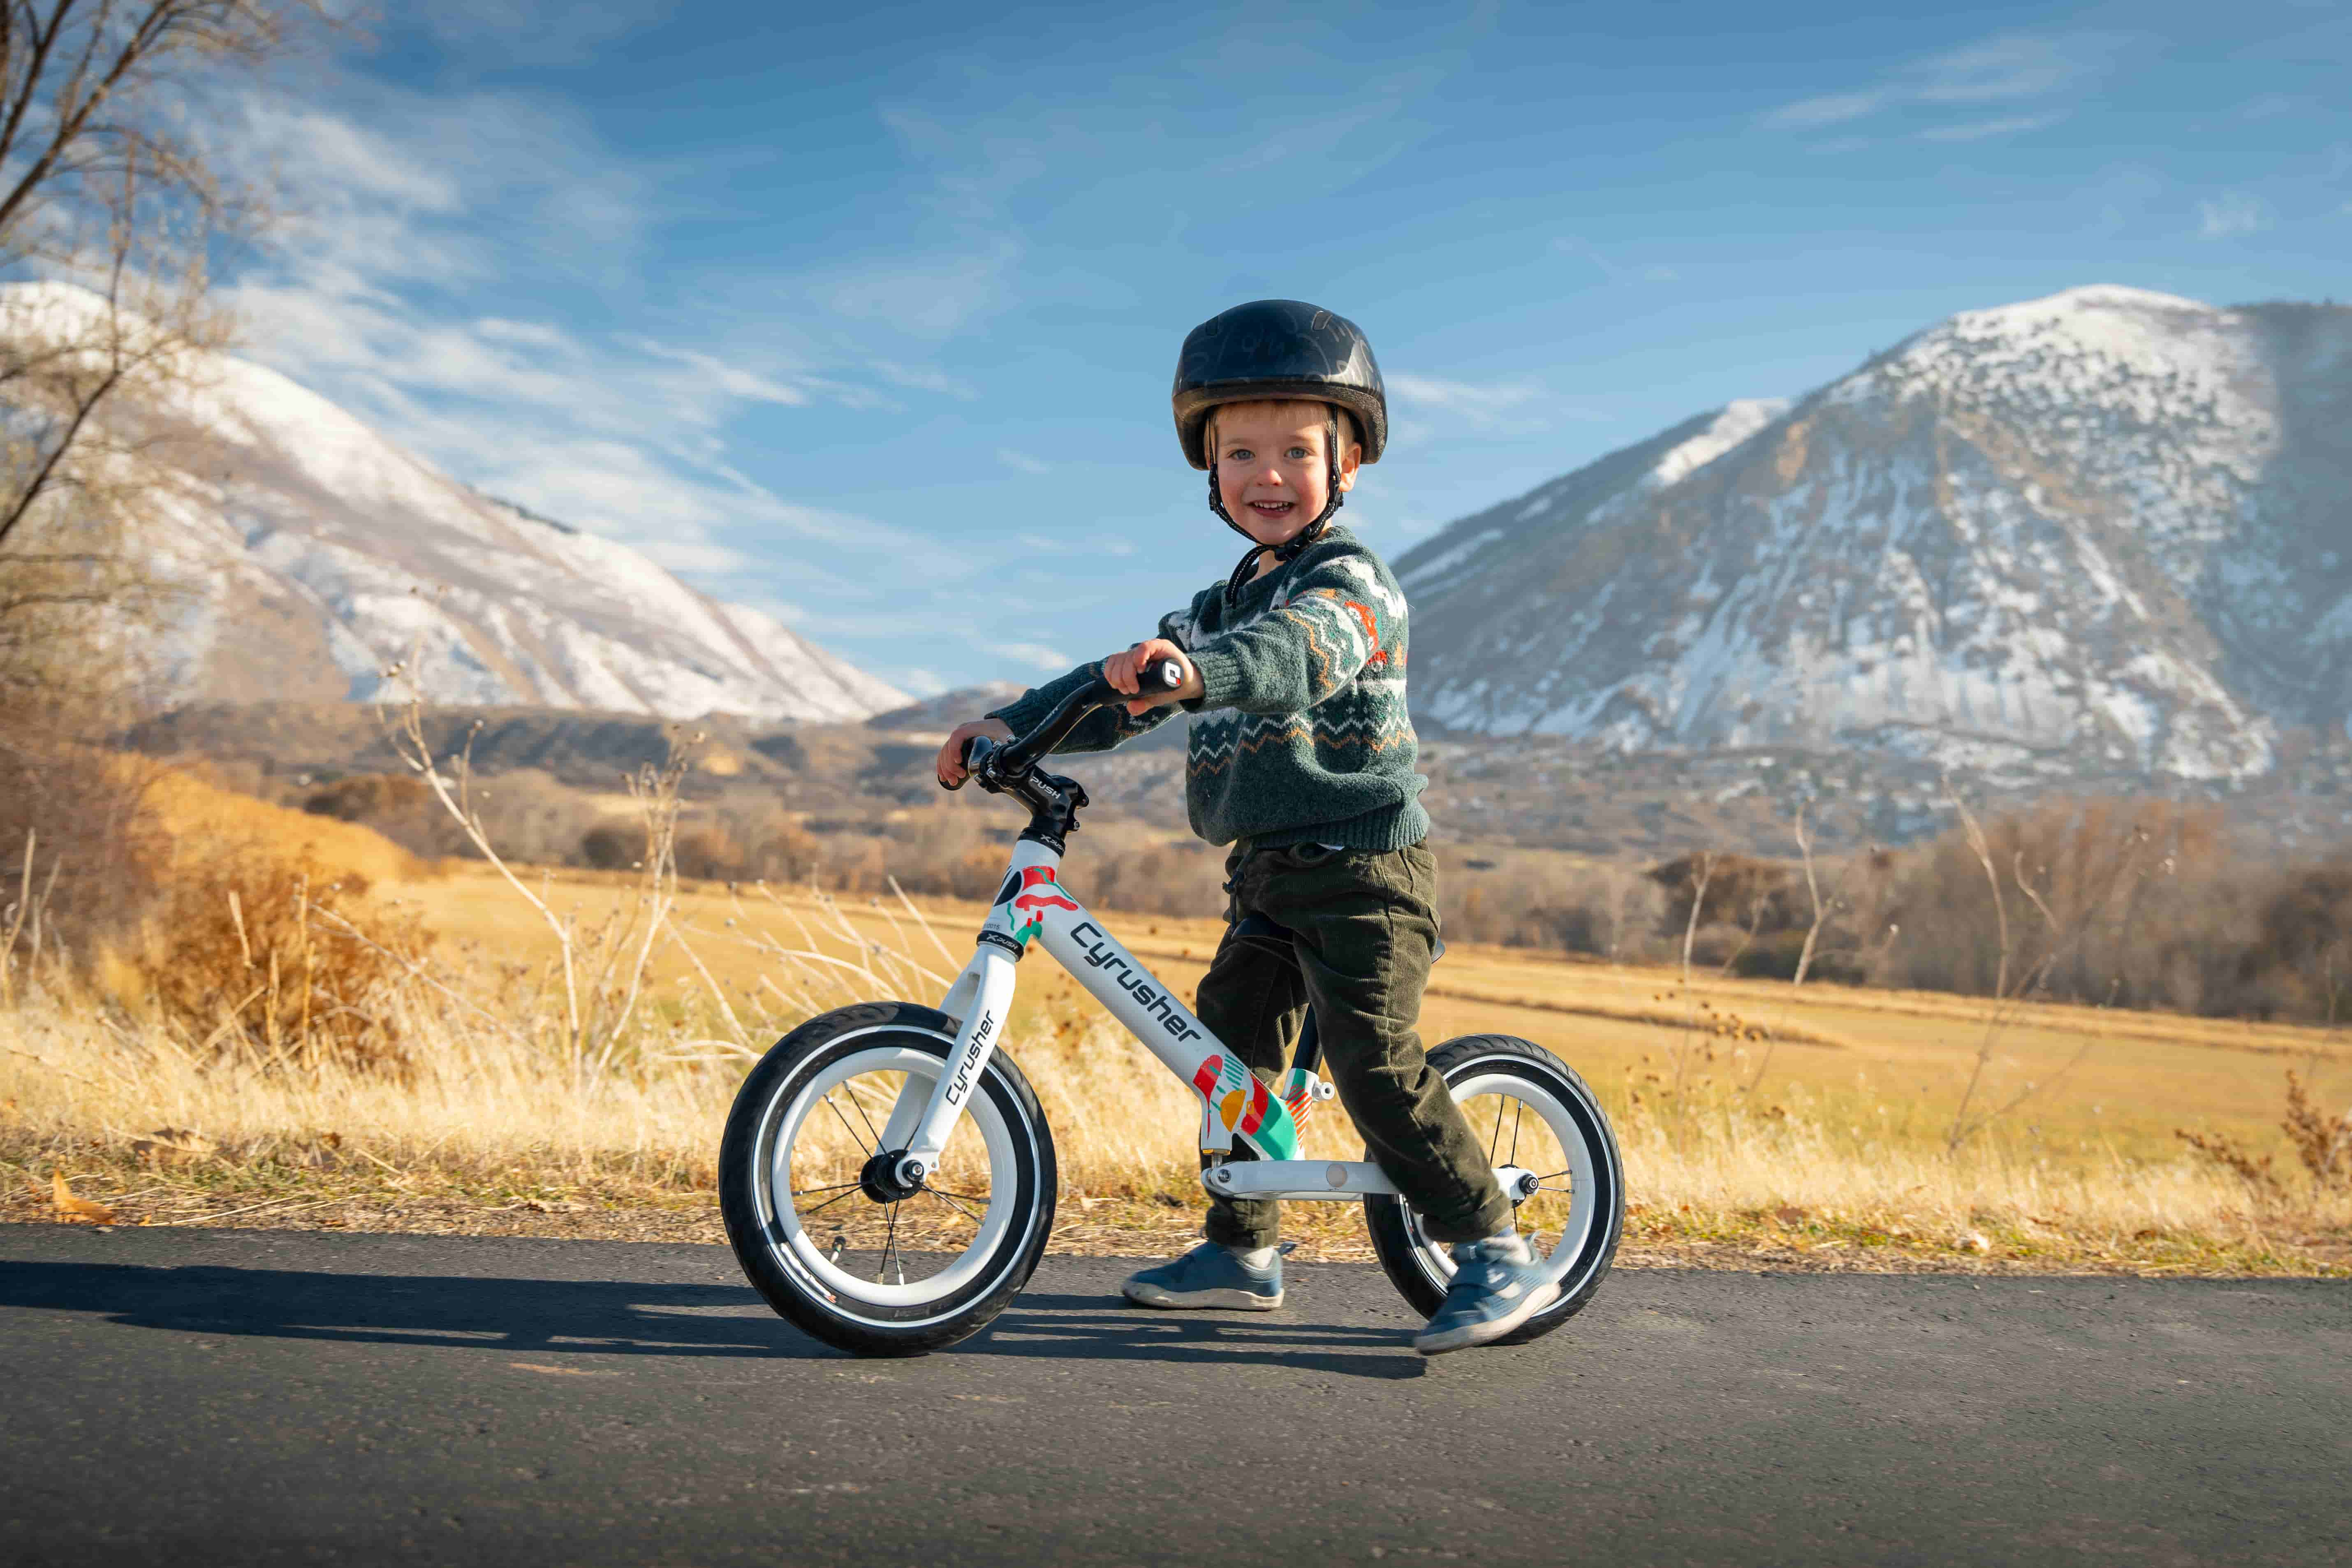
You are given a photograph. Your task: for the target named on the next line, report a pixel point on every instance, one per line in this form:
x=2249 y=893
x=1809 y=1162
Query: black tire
x=771 y=1243
x=1502 y=1061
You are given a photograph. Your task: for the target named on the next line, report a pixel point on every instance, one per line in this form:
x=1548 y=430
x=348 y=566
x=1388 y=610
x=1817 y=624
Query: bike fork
x=919 y=1125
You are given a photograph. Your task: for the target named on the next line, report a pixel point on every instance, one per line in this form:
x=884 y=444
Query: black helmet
x=1272 y=349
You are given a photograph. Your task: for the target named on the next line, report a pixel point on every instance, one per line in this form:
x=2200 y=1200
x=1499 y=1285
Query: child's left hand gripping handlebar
x=1018 y=755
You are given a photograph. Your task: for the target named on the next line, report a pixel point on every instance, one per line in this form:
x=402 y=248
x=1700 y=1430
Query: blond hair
x=1348 y=435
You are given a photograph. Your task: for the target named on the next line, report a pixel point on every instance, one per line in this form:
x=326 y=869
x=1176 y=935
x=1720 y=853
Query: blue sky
x=869 y=320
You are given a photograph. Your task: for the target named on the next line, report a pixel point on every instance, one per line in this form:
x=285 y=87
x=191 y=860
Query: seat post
x=1308 y=1058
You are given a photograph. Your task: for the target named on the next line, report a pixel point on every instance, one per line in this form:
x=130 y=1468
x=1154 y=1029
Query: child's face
x=1272 y=467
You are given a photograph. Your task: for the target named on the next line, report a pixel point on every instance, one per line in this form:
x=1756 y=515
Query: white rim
x=922 y=1069
x=1436 y=1258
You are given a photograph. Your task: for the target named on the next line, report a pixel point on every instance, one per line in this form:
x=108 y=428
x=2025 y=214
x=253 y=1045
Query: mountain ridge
x=316 y=554
x=2091 y=528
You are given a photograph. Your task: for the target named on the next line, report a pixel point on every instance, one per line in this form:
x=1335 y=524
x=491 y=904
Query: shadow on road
x=1085 y=1328
x=603 y=1318
x=453 y=1312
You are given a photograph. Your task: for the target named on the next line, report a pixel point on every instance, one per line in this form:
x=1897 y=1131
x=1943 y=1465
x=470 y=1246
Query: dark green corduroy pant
x=1365 y=924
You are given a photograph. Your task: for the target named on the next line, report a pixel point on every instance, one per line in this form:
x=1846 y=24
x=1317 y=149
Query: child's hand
x=952 y=770
x=1121 y=669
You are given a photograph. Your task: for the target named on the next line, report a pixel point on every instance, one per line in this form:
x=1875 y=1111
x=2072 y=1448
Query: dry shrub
x=530 y=815
x=613 y=845
x=197 y=820
x=2322 y=1146
x=1736 y=890
x=2123 y=903
x=2303 y=949
x=1606 y=911
x=78 y=853
x=396 y=805
x=369 y=797
x=743 y=843
x=281 y=958
x=2081 y=884
x=240 y=925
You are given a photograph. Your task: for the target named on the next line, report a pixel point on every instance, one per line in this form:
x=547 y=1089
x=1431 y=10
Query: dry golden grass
x=567 y=1047
x=1823 y=1147
x=204 y=822
x=2144 y=1075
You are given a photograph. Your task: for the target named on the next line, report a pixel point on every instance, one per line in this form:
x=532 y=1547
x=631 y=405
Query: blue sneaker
x=1498 y=1284
x=1208 y=1276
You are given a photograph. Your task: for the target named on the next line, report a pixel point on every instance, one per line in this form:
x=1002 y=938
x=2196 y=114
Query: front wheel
x=874 y=1271
x=1529 y=1109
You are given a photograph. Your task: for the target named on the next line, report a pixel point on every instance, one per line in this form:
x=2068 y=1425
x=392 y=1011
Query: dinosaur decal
x=1234 y=1100
x=1039 y=892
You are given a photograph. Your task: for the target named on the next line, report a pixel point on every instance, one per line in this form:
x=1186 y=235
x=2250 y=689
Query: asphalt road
x=257 y=1397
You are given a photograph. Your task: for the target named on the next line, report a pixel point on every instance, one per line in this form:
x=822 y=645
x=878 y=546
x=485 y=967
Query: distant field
x=1761 y=1123
x=1899 y=1059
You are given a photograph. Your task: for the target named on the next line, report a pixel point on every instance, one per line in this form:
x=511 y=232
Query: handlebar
x=1010 y=759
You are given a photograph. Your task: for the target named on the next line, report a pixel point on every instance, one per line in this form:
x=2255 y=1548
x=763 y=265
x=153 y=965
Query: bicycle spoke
x=968 y=1197
x=958 y=1209
x=890 y=1245
x=845 y=1127
x=851 y=1089
x=1496 y=1136
x=830 y=1202
x=1518 y=1109
x=804 y=1192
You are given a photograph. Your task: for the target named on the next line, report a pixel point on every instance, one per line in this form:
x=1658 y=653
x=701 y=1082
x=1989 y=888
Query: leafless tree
x=1822 y=907
x=2062 y=935
x=111 y=197
x=1704 y=865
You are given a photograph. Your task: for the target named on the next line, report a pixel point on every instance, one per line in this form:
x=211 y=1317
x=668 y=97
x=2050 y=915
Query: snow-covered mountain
x=319 y=555
x=2107 y=528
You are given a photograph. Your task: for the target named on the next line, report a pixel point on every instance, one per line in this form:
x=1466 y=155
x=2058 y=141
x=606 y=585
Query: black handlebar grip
x=1165 y=674
x=970 y=743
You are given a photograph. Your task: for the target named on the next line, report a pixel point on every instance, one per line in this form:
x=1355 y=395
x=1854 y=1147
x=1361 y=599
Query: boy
x=1301 y=757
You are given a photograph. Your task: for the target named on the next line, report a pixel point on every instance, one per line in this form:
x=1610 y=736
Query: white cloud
x=2010 y=67
x=2233 y=213
x=931 y=296
x=1977 y=131
x=412 y=208
x=1463 y=397
x=525 y=31
x=1035 y=654
x=1831 y=108
x=1499 y=408
x=2016 y=64
x=923 y=378
x=1614 y=271
x=2271 y=105
x=688 y=558
x=735 y=381
x=1021 y=462
x=919 y=682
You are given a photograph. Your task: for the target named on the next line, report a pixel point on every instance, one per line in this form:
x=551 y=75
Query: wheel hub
x=880 y=1179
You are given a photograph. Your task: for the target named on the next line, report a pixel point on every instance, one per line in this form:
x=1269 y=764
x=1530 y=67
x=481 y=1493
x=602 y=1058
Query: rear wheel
x=1530 y=1109
x=834 y=1248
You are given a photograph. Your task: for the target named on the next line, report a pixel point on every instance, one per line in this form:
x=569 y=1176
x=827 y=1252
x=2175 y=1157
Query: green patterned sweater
x=1301 y=733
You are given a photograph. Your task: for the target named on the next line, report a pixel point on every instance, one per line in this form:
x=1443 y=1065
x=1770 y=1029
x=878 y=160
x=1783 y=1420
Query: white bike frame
x=1236 y=1105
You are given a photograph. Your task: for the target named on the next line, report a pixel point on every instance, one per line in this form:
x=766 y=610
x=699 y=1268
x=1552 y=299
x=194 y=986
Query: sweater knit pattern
x=1301 y=732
